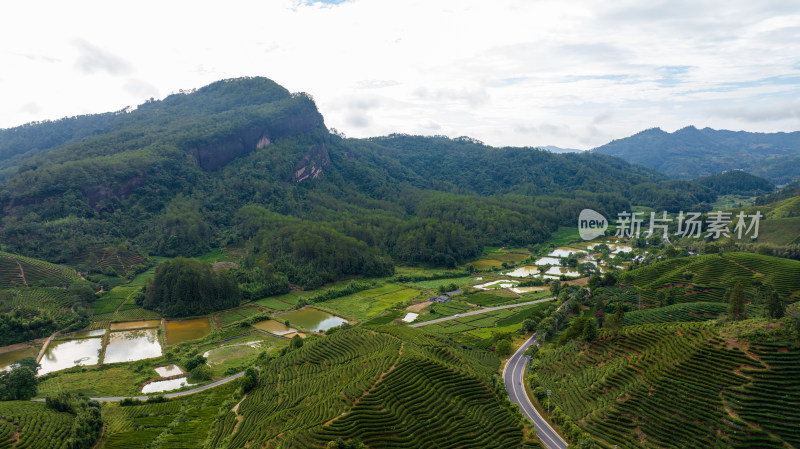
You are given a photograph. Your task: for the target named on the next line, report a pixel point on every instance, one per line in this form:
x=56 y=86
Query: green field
x=471 y=329
x=369 y=303
x=96 y=381
x=676 y=385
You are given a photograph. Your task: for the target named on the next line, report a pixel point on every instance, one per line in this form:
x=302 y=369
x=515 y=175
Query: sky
x=574 y=74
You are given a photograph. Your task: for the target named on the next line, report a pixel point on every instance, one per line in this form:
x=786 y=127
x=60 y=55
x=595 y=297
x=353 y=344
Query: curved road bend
x=513 y=377
x=476 y=312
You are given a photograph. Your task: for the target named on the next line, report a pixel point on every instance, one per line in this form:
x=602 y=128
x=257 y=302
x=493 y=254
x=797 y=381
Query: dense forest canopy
x=200 y=169
x=187 y=287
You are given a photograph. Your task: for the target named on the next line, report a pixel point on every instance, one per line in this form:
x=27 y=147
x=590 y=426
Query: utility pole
x=549 y=392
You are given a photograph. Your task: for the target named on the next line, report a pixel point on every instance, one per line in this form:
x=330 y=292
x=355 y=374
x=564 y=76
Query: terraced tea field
x=20 y=271
x=30 y=425
x=693 y=311
x=720 y=271
x=373 y=385
x=174 y=424
x=677 y=385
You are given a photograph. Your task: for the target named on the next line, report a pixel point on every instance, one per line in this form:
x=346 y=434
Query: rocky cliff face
x=312 y=164
x=219 y=153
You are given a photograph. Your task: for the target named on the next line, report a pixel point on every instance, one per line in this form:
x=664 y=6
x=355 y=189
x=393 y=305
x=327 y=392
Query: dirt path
x=22 y=273
x=44 y=347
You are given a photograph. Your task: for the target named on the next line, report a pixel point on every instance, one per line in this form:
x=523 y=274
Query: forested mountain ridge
x=243 y=158
x=690 y=152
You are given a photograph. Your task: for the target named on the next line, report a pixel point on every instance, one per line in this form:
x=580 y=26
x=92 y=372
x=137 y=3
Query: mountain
x=555 y=149
x=244 y=161
x=690 y=152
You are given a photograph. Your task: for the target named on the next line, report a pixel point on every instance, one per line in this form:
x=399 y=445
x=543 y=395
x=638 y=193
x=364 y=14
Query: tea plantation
x=388 y=387
x=677 y=385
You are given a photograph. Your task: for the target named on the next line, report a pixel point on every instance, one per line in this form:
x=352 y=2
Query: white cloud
x=508 y=72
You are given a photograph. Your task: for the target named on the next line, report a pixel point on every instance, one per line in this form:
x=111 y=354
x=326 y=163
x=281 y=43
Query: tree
x=296 y=342
x=470 y=268
x=184 y=287
x=194 y=362
x=671 y=297
x=250 y=379
x=661 y=296
x=30 y=363
x=590 y=331
x=18 y=385
x=600 y=315
x=736 y=309
x=503 y=348
x=528 y=325
x=555 y=287
x=201 y=373
x=776 y=308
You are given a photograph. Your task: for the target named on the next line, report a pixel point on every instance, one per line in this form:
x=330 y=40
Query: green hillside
x=719 y=271
x=243 y=158
x=677 y=385
x=20 y=271
x=30 y=425
x=388 y=387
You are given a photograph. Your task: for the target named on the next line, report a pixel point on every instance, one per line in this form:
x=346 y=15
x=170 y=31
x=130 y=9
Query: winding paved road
x=475 y=312
x=513 y=377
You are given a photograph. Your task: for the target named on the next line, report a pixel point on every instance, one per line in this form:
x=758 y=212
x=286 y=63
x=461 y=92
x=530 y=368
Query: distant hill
x=690 y=152
x=736 y=182
x=554 y=149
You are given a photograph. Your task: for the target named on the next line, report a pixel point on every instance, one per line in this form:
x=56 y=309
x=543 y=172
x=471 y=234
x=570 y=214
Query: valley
x=218 y=269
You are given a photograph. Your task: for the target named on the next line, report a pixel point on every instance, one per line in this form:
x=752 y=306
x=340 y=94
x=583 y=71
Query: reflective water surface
x=312 y=319
x=128 y=346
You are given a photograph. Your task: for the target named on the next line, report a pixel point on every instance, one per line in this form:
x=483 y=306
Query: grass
x=434 y=284
x=369 y=303
x=120 y=380
x=563 y=236
x=275 y=304
x=238 y=354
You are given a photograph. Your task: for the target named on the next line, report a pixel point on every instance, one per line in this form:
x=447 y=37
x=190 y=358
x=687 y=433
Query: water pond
x=187 y=330
x=274 y=327
x=502 y=283
x=169 y=370
x=547 y=261
x=562 y=252
x=128 y=325
x=524 y=271
x=312 y=319
x=66 y=354
x=128 y=346
x=88 y=334
x=165 y=385
x=9 y=358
